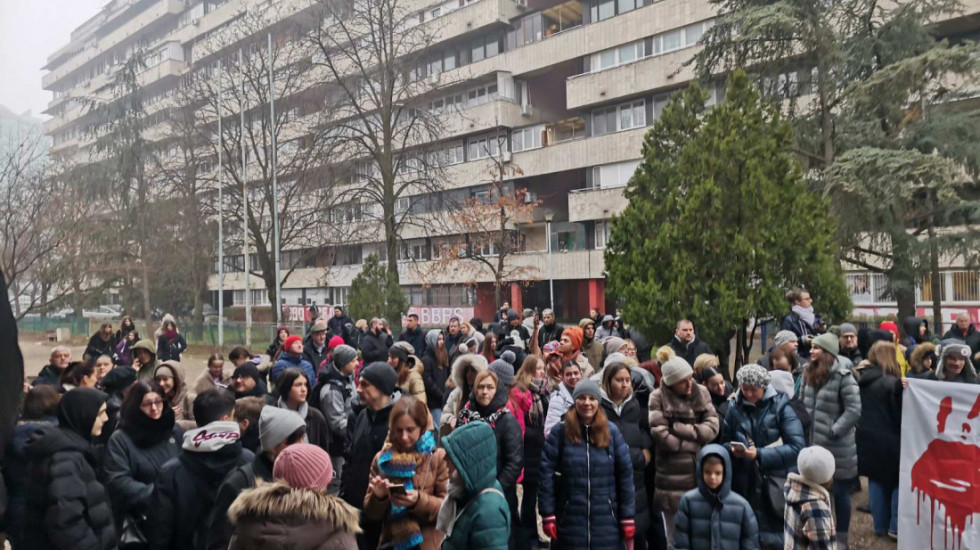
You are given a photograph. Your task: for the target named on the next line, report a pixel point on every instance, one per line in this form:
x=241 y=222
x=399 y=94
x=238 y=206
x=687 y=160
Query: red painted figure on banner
x=948 y=473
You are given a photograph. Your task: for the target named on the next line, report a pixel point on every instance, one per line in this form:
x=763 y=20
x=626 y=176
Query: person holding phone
x=765 y=436
x=408 y=480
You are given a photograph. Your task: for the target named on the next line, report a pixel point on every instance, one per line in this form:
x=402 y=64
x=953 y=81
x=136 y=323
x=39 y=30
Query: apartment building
x=570 y=86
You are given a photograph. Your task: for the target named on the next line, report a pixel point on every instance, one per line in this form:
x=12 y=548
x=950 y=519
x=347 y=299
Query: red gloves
x=550 y=527
x=628 y=527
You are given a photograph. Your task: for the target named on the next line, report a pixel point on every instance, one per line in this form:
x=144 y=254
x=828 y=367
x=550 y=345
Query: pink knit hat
x=304 y=466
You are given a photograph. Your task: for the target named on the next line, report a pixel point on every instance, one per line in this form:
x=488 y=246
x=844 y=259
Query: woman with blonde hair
x=879 y=433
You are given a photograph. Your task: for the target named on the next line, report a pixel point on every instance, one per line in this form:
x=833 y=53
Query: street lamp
x=548 y=216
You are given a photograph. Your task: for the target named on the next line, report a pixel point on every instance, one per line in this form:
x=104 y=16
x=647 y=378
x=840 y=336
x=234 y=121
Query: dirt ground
x=37 y=350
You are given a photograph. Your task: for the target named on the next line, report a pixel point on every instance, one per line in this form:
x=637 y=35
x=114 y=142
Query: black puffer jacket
x=632 y=421
x=433 y=375
x=98 y=347
x=67 y=507
x=879 y=430
x=187 y=486
x=16 y=469
x=369 y=435
x=131 y=469
x=220 y=529
x=506 y=430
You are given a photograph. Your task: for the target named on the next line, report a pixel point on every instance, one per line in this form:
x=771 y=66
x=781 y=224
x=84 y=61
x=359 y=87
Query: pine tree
x=374 y=292
x=719 y=222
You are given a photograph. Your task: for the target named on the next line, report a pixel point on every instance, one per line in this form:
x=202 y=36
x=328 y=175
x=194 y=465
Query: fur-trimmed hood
x=478 y=362
x=919 y=353
x=273 y=513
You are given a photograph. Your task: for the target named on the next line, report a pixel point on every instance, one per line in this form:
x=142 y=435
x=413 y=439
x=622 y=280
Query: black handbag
x=773 y=497
x=132 y=537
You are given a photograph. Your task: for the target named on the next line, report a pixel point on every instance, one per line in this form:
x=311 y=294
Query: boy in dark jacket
x=186 y=488
x=713 y=510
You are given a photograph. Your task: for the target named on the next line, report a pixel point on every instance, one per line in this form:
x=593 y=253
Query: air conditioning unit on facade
x=527 y=110
x=505 y=156
x=196 y=21
x=434 y=79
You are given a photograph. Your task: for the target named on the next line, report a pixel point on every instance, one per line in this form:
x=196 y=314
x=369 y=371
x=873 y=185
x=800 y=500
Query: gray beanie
x=504 y=367
x=381 y=375
x=276 y=424
x=816 y=464
x=784 y=337
x=587 y=387
x=847 y=328
x=613 y=359
x=753 y=375
x=827 y=342
x=342 y=355
x=675 y=370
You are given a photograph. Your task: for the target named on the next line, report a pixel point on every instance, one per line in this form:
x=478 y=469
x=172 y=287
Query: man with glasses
x=848 y=342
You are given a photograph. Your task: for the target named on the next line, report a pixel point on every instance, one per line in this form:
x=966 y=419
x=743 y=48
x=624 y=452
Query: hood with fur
x=275 y=515
x=919 y=353
x=478 y=362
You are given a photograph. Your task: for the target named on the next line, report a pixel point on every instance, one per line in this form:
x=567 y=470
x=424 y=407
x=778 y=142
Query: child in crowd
x=809 y=518
x=697 y=522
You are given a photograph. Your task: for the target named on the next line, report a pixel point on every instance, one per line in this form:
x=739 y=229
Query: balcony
x=474 y=17
x=647 y=74
x=595 y=204
x=481 y=118
x=139 y=25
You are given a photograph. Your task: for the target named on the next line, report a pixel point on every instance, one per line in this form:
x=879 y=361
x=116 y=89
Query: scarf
x=400 y=467
x=447 y=512
x=146 y=432
x=538 y=389
x=469 y=414
x=805 y=314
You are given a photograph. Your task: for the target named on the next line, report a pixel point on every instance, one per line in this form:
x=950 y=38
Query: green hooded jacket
x=485 y=521
x=145 y=372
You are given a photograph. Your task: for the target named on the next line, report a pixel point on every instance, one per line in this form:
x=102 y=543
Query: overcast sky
x=30 y=30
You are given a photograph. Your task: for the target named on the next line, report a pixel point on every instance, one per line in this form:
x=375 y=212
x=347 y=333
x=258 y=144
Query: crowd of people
x=470 y=436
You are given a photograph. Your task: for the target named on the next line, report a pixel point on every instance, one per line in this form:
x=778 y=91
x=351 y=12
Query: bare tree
x=373 y=60
x=485 y=229
x=303 y=179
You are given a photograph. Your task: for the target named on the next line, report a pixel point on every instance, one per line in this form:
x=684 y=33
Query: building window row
x=658 y=44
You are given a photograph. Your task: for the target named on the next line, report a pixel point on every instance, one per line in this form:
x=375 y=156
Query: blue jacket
x=715 y=520
x=289 y=361
x=588 y=489
x=768 y=421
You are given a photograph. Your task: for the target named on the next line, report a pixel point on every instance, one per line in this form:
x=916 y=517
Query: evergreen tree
x=867 y=85
x=375 y=293
x=720 y=223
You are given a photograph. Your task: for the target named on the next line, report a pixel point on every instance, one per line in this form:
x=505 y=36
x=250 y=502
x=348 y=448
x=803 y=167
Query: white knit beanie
x=816 y=464
x=675 y=370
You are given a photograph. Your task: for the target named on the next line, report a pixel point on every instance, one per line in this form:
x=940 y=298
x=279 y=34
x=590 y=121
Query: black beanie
x=78 y=409
x=247 y=370
x=382 y=376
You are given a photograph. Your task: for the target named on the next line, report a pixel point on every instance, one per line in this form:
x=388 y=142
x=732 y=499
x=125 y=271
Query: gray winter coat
x=835 y=408
x=715 y=520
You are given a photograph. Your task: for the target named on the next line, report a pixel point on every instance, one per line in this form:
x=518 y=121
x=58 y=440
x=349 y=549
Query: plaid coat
x=809 y=519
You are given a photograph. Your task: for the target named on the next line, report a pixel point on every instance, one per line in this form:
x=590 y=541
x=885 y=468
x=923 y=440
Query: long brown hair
x=442 y=354
x=598 y=431
x=525 y=375
x=817 y=372
x=790 y=356
x=490 y=346
x=882 y=354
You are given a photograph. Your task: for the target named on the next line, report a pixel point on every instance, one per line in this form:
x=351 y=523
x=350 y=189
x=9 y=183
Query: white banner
x=939 y=484
x=438 y=316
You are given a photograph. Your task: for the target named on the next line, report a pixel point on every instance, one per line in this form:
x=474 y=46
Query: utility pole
x=275 y=187
x=221 y=215
x=248 y=275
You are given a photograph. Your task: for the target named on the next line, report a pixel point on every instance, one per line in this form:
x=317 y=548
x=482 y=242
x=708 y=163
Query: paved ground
x=36 y=351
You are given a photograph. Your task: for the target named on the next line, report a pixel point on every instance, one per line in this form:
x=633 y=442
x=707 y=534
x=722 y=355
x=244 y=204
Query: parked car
x=102 y=312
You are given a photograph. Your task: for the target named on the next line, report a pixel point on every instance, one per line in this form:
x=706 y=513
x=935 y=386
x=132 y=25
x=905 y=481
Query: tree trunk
x=937 y=282
x=740 y=353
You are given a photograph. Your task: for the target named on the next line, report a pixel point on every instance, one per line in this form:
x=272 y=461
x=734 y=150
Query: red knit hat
x=576 y=335
x=334 y=342
x=304 y=466
x=289 y=342
x=890 y=326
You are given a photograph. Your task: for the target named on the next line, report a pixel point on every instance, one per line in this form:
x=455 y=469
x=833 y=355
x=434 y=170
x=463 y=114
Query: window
x=415 y=249
x=566 y=236
x=481 y=95
x=601 y=234
x=618 y=117
x=526 y=138
x=613 y=175
x=483 y=147
x=671 y=41
x=603 y=9
x=860 y=287
x=612 y=57
x=484 y=48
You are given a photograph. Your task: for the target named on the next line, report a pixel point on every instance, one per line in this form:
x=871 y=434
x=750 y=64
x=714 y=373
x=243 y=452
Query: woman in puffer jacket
x=465 y=369
x=759 y=418
x=148 y=436
x=587 y=496
x=67 y=507
x=623 y=410
x=833 y=400
x=682 y=421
